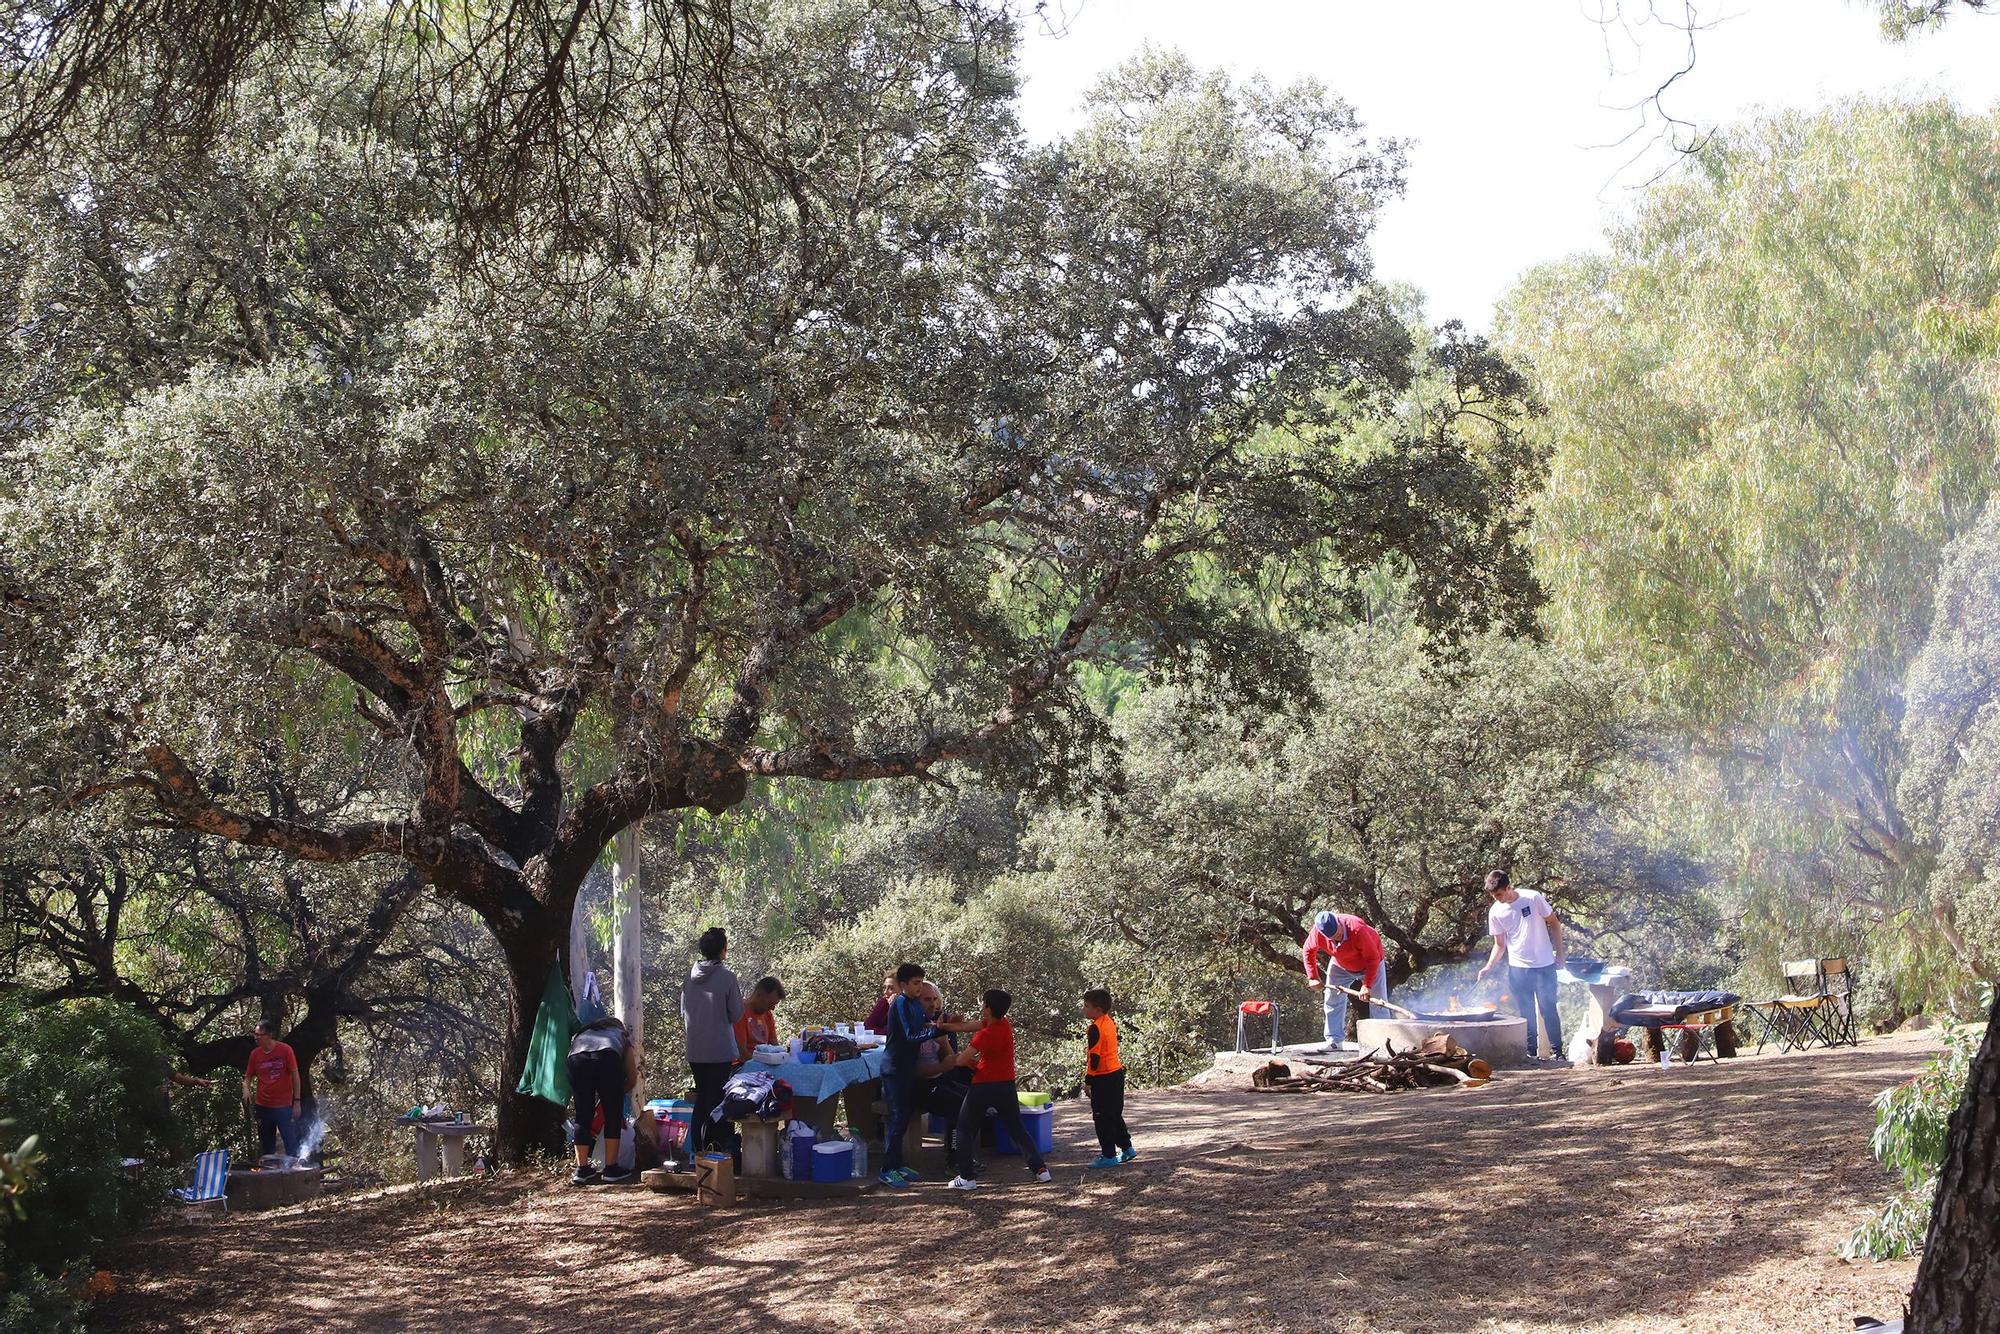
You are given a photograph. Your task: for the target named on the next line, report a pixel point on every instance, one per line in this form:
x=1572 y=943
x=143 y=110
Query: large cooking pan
x=1471 y=1014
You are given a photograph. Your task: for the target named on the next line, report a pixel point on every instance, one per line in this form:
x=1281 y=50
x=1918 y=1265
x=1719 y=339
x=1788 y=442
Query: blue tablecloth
x=823 y=1081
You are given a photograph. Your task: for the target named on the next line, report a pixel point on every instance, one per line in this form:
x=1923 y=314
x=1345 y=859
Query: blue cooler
x=833 y=1161
x=800 y=1142
x=1041 y=1124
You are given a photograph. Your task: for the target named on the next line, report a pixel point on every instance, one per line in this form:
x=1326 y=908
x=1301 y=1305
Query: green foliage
x=18 y=1169
x=1912 y=1121
x=1390 y=792
x=33 y=1303
x=84 y=1077
x=1759 y=450
x=1009 y=934
x=1952 y=786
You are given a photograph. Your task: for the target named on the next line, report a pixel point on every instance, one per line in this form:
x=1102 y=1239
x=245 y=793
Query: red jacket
x=1360 y=953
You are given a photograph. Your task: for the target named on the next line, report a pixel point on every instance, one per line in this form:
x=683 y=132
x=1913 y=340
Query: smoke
x=312 y=1137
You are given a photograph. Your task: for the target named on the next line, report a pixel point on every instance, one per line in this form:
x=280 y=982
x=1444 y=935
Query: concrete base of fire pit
x=1502 y=1041
x=250 y=1191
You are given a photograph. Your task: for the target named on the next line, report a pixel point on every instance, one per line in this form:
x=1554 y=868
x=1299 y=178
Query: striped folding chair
x=211 y=1180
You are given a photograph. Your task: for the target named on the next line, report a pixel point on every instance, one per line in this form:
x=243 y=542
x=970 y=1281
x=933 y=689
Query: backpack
x=831 y=1047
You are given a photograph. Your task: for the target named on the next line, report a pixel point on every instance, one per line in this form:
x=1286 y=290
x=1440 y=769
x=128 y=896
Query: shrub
x=34 y=1303
x=1007 y=934
x=1911 y=1123
x=83 y=1078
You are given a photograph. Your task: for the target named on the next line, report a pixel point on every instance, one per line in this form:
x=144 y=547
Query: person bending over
x=603 y=1065
x=1352 y=952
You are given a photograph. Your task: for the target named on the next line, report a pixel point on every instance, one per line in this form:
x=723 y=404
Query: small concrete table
x=447 y=1137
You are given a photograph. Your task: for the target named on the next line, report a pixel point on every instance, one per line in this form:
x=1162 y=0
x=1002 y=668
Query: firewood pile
x=1437 y=1062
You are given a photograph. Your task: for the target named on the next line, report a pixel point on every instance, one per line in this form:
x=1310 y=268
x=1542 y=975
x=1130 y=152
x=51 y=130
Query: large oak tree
x=832 y=463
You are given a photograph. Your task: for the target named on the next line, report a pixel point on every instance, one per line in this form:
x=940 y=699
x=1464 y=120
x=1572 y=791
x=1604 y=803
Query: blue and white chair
x=211 y=1180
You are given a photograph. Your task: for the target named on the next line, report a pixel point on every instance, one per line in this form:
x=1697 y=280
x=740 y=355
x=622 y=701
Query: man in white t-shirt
x=1526 y=932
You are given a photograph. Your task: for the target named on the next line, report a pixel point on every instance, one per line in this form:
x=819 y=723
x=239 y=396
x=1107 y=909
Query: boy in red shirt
x=992 y=1056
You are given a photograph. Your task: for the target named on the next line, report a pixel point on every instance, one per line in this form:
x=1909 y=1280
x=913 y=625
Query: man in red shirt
x=271 y=1087
x=992 y=1056
x=1353 y=955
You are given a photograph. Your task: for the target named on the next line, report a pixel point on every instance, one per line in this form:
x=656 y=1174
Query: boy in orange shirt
x=759 y=1024
x=1104 y=1079
x=992 y=1055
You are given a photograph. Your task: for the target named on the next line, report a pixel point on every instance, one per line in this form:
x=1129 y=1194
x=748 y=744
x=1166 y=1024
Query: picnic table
x=818 y=1091
x=442 y=1140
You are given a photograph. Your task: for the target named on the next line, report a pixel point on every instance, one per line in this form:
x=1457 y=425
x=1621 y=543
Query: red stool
x=1243 y=1013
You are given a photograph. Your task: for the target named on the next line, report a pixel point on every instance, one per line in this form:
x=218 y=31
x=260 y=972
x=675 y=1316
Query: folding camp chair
x=211 y=1180
x=1837 y=983
x=1817 y=1008
x=1258 y=1008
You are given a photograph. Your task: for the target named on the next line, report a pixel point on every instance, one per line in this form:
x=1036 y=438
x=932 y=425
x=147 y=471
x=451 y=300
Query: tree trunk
x=1958 y=1283
x=527 y=1125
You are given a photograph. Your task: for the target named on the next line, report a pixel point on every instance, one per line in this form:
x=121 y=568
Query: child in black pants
x=1104 y=1078
x=992 y=1057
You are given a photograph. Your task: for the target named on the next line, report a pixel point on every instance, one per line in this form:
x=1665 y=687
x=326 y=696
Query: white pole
x=628 y=1000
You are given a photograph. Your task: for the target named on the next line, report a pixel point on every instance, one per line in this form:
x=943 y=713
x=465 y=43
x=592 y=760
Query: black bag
x=830 y=1047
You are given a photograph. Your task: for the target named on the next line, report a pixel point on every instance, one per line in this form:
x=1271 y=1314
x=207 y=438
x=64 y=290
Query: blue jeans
x=1336 y=1002
x=1535 y=989
x=899 y=1103
x=273 y=1124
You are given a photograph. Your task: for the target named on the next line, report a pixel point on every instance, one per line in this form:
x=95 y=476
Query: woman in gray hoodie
x=711 y=1003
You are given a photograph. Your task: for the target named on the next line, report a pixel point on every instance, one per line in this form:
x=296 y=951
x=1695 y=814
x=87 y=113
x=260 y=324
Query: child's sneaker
x=1127 y=1155
x=891 y=1180
x=1104 y=1160
x=585 y=1175
x=620 y=1176
x=1045 y=1176
x=964 y=1183
x=907 y=1175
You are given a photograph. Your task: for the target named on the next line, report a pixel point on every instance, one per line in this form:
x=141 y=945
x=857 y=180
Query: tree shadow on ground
x=1535 y=1200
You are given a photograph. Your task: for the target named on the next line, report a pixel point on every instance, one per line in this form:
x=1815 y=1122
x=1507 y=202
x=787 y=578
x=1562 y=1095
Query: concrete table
x=446 y=1139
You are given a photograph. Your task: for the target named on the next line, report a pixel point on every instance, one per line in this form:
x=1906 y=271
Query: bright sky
x=1510 y=101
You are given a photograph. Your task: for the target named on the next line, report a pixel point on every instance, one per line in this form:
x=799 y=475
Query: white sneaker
x=964 y=1183
x=1045 y=1176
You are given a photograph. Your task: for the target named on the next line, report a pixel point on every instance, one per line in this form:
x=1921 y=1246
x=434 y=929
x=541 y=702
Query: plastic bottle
x=860 y=1155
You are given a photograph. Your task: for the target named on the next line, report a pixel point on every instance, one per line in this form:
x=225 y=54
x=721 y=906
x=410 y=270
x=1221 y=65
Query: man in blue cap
x=1353 y=956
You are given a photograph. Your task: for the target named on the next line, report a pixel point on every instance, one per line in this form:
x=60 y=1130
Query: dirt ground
x=1705 y=1198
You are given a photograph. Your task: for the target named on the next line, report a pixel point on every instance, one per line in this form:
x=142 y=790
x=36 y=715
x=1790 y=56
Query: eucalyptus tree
x=1953 y=729
x=1758 y=453
x=836 y=472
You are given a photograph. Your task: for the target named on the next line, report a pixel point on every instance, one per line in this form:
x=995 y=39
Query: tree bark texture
x=1958 y=1282
x=526 y=1124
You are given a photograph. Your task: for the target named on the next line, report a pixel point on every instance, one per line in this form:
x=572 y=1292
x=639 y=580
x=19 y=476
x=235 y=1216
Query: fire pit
x=1501 y=1039
x=282 y=1183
